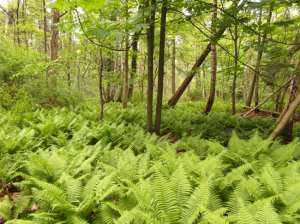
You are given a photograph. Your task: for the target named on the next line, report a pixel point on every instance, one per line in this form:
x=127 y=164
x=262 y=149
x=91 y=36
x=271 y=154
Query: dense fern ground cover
x=64 y=166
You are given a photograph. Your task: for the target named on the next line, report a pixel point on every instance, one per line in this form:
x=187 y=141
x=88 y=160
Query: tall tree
x=261 y=45
x=161 y=65
x=134 y=57
x=18 y=23
x=286 y=117
x=235 y=38
x=45 y=29
x=100 y=86
x=173 y=81
x=54 y=34
x=151 y=8
x=134 y=46
x=126 y=60
x=213 y=81
x=224 y=24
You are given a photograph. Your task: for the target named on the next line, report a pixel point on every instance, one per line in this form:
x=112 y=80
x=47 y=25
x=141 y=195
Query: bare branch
x=4 y=10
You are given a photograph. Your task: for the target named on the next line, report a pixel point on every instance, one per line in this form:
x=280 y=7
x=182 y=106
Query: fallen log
x=252 y=112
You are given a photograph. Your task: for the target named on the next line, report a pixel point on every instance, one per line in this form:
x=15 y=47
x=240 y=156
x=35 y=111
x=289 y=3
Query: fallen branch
x=267 y=98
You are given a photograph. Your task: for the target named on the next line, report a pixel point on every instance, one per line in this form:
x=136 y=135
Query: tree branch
x=4 y=10
x=91 y=40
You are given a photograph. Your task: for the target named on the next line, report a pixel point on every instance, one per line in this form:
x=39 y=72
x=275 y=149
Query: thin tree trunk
x=143 y=75
x=213 y=81
x=24 y=22
x=126 y=75
x=150 y=48
x=223 y=27
x=236 y=58
x=161 y=65
x=134 y=57
x=173 y=66
x=256 y=99
x=45 y=28
x=54 y=43
x=78 y=77
x=100 y=86
x=179 y=92
x=17 y=23
x=267 y=98
x=126 y=63
x=55 y=34
x=204 y=81
x=69 y=64
x=261 y=44
x=258 y=60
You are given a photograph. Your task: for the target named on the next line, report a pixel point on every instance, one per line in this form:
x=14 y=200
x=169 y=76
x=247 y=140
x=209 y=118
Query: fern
x=75 y=170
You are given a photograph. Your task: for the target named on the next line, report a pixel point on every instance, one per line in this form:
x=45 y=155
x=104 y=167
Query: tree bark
x=126 y=75
x=223 y=27
x=161 y=65
x=287 y=133
x=173 y=66
x=17 y=23
x=134 y=45
x=151 y=6
x=261 y=44
x=100 y=86
x=236 y=58
x=285 y=119
x=24 y=14
x=179 y=92
x=55 y=34
x=45 y=31
x=213 y=81
x=126 y=63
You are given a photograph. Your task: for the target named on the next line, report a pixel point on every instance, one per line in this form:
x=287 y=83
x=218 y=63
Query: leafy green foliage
x=71 y=169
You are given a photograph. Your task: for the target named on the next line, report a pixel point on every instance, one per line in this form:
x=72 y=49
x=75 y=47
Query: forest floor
x=62 y=165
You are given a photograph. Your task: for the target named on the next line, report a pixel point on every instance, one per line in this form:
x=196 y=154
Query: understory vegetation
x=62 y=166
x=149 y=112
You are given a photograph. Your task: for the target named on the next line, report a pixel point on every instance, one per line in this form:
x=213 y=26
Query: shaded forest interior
x=149 y=112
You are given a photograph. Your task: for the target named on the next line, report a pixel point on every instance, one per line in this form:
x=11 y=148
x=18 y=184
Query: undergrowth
x=64 y=166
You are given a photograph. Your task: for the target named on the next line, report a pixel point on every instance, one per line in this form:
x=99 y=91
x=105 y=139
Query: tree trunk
x=224 y=25
x=45 y=29
x=24 y=14
x=17 y=23
x=55 y=34
x=236 y=58
x=134 y=57
x=287 y=133
x=78 y=77
x=126 y=62
x=126 y=74
x=173 y=66
x=161 y=65
x=179 y=92
x=54 y=43
x=143 y=74
x=100 y=86
x=69 y=62
x=285 y=119
x=213 y=81
x=204 y=81
x=151 y=6
x=256 y=99
x=261 y=44
x=236 y=55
